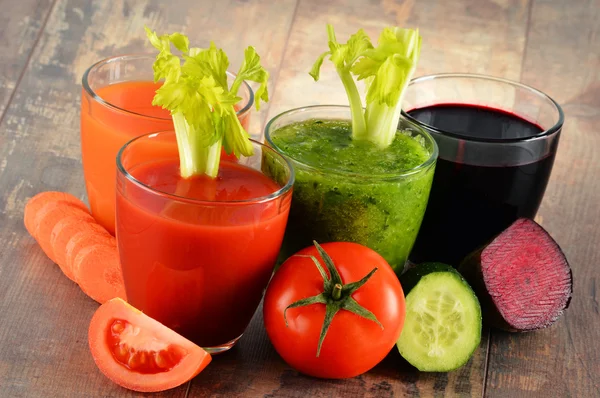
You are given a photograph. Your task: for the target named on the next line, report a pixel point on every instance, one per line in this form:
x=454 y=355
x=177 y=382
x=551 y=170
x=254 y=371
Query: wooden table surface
x=46 y=45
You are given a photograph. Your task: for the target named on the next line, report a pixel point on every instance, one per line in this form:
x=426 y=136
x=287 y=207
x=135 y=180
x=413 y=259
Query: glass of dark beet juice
x=497 y=141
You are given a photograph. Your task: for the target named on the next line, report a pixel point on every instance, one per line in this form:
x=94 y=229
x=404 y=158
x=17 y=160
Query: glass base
x=408 y=265
x=219 y=349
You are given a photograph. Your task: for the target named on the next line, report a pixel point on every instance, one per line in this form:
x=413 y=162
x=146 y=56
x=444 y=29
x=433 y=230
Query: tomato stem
x=337 y=291
x=336 y=295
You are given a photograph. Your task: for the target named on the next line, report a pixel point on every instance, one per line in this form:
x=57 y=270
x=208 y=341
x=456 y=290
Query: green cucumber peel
x=412 y=276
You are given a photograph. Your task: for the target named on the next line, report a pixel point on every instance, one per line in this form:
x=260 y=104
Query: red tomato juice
x=199 y=265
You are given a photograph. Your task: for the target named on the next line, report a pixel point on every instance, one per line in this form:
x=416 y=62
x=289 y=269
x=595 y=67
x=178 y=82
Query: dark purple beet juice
x=486 y=177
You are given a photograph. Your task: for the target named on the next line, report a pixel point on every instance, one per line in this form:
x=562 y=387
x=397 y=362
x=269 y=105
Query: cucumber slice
x=442 y=327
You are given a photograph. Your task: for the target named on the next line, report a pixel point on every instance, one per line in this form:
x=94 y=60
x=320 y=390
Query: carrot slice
x=62 y=233
x=98 y=270
x=48 y=216
x=82 y=239
x=38 y=201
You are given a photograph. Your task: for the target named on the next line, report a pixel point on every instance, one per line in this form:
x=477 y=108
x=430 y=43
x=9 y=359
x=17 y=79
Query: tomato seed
x=160 y=360
x=117 y=327
x=134 y=361
x=122 y=352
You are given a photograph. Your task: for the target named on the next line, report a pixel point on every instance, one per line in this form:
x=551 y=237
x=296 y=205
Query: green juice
x=351 y=190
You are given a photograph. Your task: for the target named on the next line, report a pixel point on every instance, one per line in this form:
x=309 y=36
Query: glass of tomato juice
x=116 y=106
x=197 y=253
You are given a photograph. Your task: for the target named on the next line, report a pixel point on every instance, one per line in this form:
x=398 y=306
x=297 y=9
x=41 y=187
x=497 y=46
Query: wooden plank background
x=46 y=45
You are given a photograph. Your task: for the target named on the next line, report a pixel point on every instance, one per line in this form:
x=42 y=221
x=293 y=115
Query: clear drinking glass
x=197 y=253
x=381 y=211
x=497 y=141
x=116 y=106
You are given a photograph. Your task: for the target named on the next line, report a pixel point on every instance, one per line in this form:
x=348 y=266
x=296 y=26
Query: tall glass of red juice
x=197 y=253
x=116 y=106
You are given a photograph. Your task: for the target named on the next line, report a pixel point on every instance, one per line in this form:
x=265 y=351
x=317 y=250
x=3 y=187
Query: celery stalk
x=202 y=104
x=387 y=70
x=359 y=126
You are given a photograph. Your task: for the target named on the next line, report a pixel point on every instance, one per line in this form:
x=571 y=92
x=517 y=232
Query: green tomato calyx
x=336 y=295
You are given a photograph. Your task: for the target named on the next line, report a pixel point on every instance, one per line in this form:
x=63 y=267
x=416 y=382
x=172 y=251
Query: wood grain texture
x=563 y=60
x=21 y=23
x=43 y=346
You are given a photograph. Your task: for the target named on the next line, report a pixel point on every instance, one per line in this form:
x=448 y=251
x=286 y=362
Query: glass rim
x=381 y=176
x=544 y=134
x=260 y=199
x=88 y=89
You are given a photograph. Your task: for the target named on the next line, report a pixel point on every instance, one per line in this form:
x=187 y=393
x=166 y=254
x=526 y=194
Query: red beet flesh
x=524 y=275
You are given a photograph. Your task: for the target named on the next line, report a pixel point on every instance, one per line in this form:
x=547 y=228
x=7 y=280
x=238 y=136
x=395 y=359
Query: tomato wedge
x=138 y=352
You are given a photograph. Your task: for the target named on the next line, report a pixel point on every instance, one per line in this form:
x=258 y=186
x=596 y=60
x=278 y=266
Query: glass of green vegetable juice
x=363 y=173
x=352 y=190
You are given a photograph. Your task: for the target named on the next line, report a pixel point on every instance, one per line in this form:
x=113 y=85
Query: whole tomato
x=334 y=311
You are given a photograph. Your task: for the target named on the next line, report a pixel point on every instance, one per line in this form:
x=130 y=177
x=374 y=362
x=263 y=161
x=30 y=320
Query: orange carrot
x=48 y=216
x=98 y=271
x=62 y=233
x=69 y=235
x=34 y=205
x=83 y=239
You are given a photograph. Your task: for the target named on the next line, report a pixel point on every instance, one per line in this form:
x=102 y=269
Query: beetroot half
x=522 y=278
